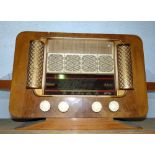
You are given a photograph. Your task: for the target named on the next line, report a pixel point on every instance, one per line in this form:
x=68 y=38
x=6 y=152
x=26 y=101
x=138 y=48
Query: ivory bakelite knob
x=114 y=106
x=45 y=106
x=63 y=106
x=96 y=106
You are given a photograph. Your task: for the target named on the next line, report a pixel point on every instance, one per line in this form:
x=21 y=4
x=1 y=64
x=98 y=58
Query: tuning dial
x=96 y=106
x=114 y=106
x=45 y=106
x=63 y=106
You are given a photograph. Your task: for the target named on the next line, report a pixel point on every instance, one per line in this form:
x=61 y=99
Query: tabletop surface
x=8 y=126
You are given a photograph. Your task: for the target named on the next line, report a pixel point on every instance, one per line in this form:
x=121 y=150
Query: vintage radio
x=78 y=78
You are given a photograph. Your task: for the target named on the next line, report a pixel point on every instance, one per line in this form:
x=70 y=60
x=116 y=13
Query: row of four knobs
x=64 y=106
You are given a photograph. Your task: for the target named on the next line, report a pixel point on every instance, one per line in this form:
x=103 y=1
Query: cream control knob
x=45 y=106
x=96 y=106
x=113 y=106
x=63 y=106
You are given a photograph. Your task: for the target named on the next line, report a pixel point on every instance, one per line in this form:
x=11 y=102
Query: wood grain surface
x=6 y=85
x=80 y=124
x=25 y=104
x=8 y=126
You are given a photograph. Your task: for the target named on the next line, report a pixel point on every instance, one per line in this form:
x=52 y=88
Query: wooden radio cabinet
x=78 y=81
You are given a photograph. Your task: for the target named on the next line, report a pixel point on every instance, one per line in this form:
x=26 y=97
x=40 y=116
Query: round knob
x=45 y=106
x=96 y=106
x=113 y=106
x=63 y=106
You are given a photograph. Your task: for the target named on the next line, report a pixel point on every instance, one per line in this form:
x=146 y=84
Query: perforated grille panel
x=35 y=64
x=124 y=66
x=72 y=63
x=55 y=63
x=80 y=63
x=106 y=64
x=89 y=63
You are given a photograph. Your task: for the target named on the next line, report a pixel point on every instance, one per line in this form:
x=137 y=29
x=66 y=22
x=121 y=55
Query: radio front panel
x=74 y=66
x=78 y=75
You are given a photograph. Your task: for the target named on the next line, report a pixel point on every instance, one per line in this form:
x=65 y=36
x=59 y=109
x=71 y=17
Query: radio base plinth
x=79 y=124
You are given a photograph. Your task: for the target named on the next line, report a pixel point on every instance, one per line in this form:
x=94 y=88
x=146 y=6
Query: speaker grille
x=89 y=63
x=124 y=66
x=55 y=63
x=80 y=63
x=35 y=64
x=106 y=64
x=72 y=63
